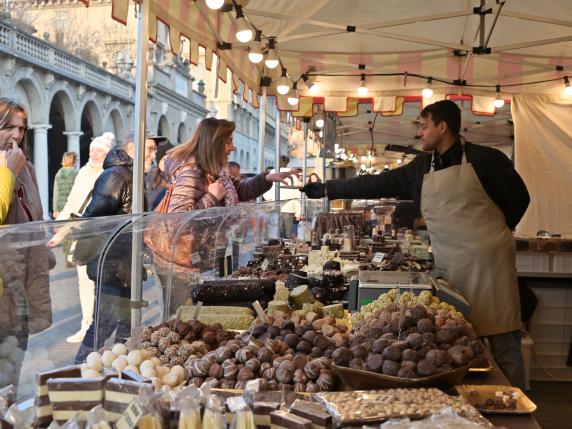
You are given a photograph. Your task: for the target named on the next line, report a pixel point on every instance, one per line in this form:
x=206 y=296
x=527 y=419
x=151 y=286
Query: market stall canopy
x=464 y=46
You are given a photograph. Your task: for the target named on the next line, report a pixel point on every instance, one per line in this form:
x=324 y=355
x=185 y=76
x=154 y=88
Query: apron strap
x=463 y=159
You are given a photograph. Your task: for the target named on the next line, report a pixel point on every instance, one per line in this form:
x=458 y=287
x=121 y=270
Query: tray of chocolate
x=374 y=406
x=366 y=379
x=497 y=399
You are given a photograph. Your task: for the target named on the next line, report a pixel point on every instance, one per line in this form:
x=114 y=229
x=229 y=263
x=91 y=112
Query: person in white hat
x=77 y=201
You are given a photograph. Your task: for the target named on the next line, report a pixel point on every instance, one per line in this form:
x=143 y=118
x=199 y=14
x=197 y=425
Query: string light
x=293 y=95
x=271 y=57
x=427 y=91
x=399 y=161
x=499 y=101
x=567 y=88
x=362 y=90
x=255 y=50
x=215 y=4
x=320 y=123
x=283 y=83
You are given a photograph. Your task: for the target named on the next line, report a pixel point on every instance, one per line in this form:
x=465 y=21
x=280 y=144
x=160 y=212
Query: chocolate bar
x=118 y=395
x=314 y=412
x=42 y=400
x=133 y=376
x=263 y=404
x=69 y=396
x=281 y=419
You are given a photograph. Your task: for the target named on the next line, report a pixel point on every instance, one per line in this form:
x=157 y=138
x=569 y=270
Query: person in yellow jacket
x=11 y=163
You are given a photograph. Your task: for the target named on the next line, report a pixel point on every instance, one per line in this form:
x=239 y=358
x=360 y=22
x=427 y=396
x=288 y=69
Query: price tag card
x=265 y=264
x=378 y=257
x=130 y=416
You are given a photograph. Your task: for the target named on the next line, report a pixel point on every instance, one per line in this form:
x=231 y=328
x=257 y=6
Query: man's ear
x=443 y=127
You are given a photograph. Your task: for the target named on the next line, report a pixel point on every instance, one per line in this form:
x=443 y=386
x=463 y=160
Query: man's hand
x=314 y=190
x=217 y=189
x=15 y=159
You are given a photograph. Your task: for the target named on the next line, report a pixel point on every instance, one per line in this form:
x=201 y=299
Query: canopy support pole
x=261 y=134
x=326 y=135
x=277 y=156
x=138 y=162
x=305 y=166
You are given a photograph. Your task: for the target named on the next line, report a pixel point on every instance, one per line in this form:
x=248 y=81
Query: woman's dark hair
x=444 y=111
x=207 y=145
x=9 y=108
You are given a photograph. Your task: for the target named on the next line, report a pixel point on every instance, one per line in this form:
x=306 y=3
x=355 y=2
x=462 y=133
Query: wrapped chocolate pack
x=97 y=419
x=374 y=406
x=445 y=419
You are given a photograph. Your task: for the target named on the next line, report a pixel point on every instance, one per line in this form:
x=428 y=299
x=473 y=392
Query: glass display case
x=143 y=268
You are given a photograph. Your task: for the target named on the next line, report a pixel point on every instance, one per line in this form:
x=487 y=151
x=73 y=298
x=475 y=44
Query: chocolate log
x=223 y=291
x=314 y=412
x=284 y=420
x=118 y=395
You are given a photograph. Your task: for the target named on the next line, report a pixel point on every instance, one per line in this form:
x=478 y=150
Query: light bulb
x=399 y=161
x=283 y=85
x=319 y=123
x=363 y=157
x=362 y=167
x=215 y=4
x=321 y=134
x=499 y=102
x=386 y=166
x=293 y=95
x=362 y=90
x=243 y=32
x=271 y=57
x=255 y=51
x=427 y=92
x=568 y=87
x=314 y=89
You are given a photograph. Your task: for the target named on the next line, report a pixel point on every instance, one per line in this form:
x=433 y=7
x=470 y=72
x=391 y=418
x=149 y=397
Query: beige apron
x=473 y=245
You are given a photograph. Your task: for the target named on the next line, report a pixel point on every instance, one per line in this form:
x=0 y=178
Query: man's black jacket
x=494 y=170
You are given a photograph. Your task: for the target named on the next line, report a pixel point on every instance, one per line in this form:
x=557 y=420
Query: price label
x=195 y=258
x=265 y=264
x=130 y=416
x=378 y=257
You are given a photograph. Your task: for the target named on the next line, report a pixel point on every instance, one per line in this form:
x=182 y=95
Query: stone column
x=73 y=143
x=41 y=164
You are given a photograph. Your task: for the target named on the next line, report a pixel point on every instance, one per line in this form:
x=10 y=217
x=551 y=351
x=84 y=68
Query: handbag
x=86 y=246
x=189 y=248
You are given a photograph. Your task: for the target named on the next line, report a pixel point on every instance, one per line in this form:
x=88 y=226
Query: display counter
x=146 y=269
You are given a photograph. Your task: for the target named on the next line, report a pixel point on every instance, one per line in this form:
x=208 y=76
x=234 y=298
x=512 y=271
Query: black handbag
x=87 y=244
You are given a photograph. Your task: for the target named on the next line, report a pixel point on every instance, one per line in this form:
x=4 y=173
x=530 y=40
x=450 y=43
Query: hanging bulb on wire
x=255 y=50
x=362 y=90
x=567 y=88
x=283 y=84
x=293 y=95
x=320 y=123
x=499 y=101
x=243 y=31
x=271 y=57
x=214 y=4
x=427 y=91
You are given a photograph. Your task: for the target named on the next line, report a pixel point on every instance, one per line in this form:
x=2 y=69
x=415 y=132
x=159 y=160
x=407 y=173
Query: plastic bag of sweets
x=243 y=417
x=214 y=415
x=96 y=419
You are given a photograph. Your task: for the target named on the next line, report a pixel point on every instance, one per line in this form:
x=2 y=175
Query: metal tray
x=477 y=395
x=357 y=379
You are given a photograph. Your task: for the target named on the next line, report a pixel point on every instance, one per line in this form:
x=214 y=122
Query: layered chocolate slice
x=42 y=400
x=70 y=396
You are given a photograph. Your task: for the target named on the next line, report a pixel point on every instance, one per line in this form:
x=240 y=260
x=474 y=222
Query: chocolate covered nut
x=245 y=374
x=284 y=375
x=316 y=352
x=374 y=362
x=359 y=351
x=292 y=340
x=216 y=371
x=392 y=353
x=265 y=354
x=342 y=356
x=390 y=368
x=326 y=380
x=244 y=354
x=300 y=361
x=304 y=347
x=269 y=373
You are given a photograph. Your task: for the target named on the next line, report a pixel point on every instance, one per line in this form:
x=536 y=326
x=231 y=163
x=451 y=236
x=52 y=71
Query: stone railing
x=36 y=51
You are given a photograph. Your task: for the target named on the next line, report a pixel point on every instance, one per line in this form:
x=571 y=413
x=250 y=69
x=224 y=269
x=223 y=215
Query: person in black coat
x=112 y=195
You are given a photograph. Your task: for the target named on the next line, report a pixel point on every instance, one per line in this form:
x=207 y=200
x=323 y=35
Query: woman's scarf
x=231 y=197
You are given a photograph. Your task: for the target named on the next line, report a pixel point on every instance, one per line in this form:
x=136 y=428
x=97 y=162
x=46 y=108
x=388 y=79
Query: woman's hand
x=217 y=189
x=15 y=159
x=285 y=177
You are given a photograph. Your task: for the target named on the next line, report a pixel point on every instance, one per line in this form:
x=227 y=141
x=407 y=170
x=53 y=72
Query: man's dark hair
x=233 y=164
x=444 y=111
x=284 y=160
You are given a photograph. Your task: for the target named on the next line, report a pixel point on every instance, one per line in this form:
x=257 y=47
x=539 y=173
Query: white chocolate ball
x=6 y=367
x=94 y=361
x=145 y=354
x=16 y=355
x=170 y=380
x=5 y=349
x=108 y=357
x=147 y=365
x=90 y=373
x=132 y=368
x=149 y=373
x=135 y=358
x=119 y=349
x=162 y=371
x=84 y=367
x=179 y=371
x=156 y=361
x=119 y=364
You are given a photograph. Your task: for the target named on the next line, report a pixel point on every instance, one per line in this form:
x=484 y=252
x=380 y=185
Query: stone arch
x=163 y=128
x=26 y=87
x=61 y=93
x=90 y=105
x=182 y=135
x=116 y=123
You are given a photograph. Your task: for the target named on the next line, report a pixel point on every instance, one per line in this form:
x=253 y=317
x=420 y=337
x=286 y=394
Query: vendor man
x=470 y=197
